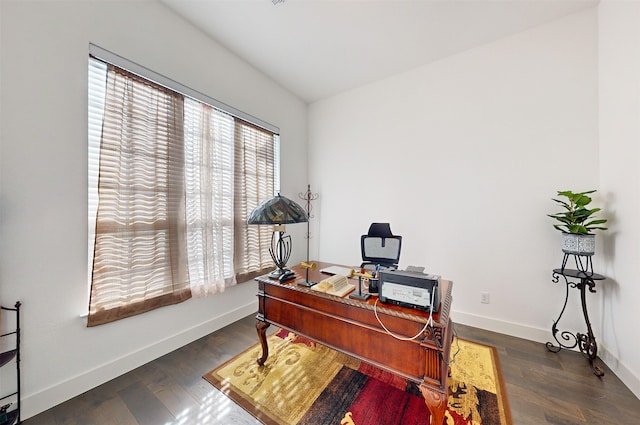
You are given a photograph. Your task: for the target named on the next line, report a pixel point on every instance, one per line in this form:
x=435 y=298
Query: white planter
x=578 y=244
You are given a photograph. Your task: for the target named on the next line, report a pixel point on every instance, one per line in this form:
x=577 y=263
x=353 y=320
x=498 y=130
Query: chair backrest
x=380 y=246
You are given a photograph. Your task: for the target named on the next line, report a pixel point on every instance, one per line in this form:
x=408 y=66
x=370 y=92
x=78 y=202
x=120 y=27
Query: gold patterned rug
x=307 y=383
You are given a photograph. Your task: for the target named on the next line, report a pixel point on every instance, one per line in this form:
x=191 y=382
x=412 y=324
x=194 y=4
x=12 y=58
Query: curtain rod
x=117 y=60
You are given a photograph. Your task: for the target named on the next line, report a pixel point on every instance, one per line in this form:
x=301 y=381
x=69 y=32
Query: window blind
x=139 y=262
x=171 y=183
x=254 y=183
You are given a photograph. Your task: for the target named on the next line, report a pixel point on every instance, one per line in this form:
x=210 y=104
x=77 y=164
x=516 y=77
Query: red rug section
x=378 y=403
x=384 y=400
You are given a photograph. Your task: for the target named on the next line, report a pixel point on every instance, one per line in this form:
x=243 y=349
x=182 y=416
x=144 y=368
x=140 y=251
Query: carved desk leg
x=261 y=327
x=436 y=402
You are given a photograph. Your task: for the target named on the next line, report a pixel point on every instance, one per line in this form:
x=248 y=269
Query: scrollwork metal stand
x=585 y=342
x=308 y=196
x=583 y=263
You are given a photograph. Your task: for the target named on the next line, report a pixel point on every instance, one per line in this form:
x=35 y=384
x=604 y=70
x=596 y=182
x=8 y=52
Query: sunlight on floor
x=215 y=409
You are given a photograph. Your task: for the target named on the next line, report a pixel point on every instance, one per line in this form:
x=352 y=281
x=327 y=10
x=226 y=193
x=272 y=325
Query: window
x=172 y=179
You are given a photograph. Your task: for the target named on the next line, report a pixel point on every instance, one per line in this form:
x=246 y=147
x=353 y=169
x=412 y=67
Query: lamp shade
x=278 y=210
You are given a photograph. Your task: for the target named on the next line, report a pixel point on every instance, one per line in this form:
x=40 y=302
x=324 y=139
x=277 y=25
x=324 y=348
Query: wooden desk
x=350 y=326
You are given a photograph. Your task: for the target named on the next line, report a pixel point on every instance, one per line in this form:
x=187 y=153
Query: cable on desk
x=401 y=338
x=453 y=358
x=426 y=325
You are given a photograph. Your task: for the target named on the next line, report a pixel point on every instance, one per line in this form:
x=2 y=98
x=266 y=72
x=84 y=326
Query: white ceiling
x=318 y=48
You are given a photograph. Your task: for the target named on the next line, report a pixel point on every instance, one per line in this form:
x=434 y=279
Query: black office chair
x=380 y=247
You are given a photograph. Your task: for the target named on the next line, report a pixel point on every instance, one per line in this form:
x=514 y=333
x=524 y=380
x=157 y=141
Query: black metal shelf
x=7 y=356
x=12 y=417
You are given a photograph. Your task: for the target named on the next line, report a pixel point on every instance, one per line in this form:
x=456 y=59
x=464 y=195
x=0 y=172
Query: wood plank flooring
x=542 y=387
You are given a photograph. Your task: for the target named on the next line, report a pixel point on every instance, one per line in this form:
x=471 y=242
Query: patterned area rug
x=307 y=383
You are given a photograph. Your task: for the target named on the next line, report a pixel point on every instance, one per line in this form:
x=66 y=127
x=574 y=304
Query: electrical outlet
x=484 y=297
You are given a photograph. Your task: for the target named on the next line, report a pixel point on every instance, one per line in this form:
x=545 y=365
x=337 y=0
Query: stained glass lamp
x=279 y=211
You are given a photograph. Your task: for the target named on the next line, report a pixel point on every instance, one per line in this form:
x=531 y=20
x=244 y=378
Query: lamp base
x=277 y=273
x=307 y=283
x=361 y=297
x=282 y=275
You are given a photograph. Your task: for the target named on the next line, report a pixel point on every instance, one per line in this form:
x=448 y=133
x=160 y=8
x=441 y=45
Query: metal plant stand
x=580 y=279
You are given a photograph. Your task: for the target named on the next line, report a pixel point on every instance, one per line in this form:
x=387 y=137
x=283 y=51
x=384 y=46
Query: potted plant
x=577 y=222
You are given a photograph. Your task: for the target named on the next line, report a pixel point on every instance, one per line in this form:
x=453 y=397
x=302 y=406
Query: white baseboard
x=543 y=335
x=49 y=397
x=626 y=376
x=508 y=328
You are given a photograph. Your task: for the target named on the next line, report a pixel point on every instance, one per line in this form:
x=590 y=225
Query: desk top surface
x=316 y=276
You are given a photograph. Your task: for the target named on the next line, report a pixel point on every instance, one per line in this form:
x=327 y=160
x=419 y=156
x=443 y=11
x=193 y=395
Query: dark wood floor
x=542 y=387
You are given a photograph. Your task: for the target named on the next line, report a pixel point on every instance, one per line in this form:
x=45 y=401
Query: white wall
x=462 y=157
x=43 y=197
x=619 y=51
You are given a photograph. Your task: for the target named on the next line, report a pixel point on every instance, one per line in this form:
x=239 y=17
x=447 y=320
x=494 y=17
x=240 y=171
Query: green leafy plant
x=577 y=218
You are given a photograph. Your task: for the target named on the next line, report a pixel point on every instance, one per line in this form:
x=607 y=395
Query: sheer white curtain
x=209 y=170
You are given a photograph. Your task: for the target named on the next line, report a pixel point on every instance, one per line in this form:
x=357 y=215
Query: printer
x=413 y=289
